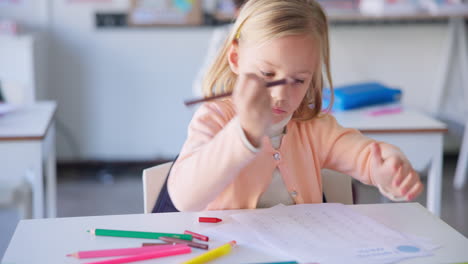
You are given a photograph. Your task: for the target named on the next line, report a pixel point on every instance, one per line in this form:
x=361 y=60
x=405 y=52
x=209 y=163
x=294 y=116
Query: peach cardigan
x=215 y=169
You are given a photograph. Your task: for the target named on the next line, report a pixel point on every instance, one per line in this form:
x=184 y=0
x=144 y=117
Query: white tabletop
x=407 y=120
x=49 y=240
x=28 y=122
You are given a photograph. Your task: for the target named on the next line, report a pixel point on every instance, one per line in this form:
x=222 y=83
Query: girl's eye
x=268 y=74
x=298 y=81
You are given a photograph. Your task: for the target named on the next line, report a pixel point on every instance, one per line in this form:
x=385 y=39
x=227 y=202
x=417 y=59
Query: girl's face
x=290 y=56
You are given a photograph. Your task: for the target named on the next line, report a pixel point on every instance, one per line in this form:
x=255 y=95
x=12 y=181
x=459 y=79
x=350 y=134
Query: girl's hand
x=394 y=176
x=253 y=105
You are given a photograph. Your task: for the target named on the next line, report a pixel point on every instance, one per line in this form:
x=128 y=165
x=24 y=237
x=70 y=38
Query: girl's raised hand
x=253 y=105
x=394 y=176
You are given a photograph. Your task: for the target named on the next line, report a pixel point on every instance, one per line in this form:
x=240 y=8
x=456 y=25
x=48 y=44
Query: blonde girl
x=268 y=146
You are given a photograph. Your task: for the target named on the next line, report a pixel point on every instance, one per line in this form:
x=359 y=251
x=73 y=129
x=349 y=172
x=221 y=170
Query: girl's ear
x=233 y=57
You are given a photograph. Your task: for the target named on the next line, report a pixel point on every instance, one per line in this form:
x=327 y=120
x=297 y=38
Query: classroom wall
x=411 y=57
x=120 y=91
x=34 y=17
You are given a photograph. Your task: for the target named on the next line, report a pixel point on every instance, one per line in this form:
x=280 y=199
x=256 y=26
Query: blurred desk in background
x=454 y=56
x=27 y=149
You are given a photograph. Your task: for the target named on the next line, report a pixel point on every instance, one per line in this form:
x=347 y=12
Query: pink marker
x=121 y=251
x=144 y=256
x=197 y=236
x=385 y=111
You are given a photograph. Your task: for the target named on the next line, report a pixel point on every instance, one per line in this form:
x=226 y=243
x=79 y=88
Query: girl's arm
x=219 y=144
x=369 y=161
x=211 y=157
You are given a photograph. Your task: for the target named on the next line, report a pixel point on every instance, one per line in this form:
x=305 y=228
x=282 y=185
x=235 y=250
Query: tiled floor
x=91 y=192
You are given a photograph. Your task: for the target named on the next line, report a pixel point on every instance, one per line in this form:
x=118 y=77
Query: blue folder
x=360 y=95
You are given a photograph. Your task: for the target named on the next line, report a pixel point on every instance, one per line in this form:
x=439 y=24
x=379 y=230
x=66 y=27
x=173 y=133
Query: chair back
x=336 y=186
x=153 y=181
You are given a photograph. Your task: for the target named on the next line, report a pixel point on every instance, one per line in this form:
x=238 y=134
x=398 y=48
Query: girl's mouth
x=278 y=110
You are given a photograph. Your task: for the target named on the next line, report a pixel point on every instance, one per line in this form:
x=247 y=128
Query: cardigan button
x=277 y=156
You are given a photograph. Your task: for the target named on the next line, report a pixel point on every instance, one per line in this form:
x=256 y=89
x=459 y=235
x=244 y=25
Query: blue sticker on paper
x=408 y=249
x=183 y=5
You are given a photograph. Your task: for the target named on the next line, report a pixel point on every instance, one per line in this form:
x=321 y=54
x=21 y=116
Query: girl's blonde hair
x=262 y=20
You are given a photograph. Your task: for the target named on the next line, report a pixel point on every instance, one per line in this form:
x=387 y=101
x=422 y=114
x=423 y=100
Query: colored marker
x=197 y=236
x=212 y=254
x=385 y=111
x=155 y=244
x=119 y=251
x=137 y=234
x=144 y=256
x=209 y=220
x=181 y=241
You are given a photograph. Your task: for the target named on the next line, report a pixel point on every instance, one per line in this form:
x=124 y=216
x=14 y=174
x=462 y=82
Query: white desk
x=49 y=240
x=27 y=149
x=419 y=136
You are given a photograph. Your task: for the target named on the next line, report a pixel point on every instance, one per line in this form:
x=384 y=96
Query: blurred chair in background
x=17 y=80
x=217 y=39
x=462 y=163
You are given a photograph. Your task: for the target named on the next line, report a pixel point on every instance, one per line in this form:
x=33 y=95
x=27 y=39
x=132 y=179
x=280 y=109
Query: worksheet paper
x=324 y=233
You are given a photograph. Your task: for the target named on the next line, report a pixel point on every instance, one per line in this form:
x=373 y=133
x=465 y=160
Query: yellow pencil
x=212 y=254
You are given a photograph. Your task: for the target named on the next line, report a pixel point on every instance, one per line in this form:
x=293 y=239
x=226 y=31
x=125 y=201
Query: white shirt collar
x=278 y=128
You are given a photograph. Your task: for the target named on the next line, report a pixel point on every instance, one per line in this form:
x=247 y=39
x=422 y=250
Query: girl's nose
x=280 y=92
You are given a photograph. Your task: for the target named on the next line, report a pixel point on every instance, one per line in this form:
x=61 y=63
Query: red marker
x=197 y=236
x=209 y=219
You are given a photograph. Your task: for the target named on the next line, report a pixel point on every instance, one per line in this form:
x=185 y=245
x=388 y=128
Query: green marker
x=137 y=234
